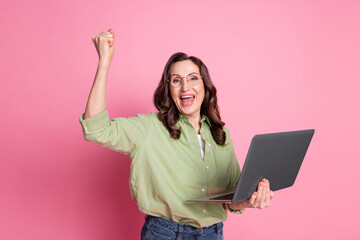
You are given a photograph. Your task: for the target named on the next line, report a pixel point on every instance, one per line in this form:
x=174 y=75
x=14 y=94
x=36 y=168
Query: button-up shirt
x=166 y=172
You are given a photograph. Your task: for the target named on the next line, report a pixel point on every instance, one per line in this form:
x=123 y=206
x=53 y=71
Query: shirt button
x=209 y=144
x=203 y=189
x=204 y=211
x=207 y=167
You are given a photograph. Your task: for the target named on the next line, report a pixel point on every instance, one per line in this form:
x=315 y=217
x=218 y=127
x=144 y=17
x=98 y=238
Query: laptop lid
x=274 y=156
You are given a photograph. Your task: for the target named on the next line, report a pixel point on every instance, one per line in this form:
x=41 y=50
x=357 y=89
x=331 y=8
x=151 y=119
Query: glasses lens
x=175 y=81
x=193 y=79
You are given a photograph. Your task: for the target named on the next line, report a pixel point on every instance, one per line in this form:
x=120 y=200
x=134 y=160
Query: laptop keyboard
x=224 y=197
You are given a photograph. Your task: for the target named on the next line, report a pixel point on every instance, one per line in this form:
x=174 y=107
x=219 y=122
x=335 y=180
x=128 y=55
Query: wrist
x=236 y=206
x=104 y=63
x=233 y=209
x=229 y=206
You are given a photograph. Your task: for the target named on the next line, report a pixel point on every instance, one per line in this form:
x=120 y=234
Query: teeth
x=187 y=97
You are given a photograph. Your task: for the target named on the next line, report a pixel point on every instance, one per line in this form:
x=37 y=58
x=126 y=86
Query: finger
x=105 y=33
x=271 y=195
x=105 y=38
x=252 y=199
x=111 y=42
x=95 y=39
x=268 y=192
x=109 y=35
x=263 y=194
x=112 y=32
x=258 y=195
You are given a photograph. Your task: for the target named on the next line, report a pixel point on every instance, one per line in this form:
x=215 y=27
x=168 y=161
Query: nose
x=185 y=85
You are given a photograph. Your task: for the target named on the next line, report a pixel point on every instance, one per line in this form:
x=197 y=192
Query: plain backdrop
x=277 y=65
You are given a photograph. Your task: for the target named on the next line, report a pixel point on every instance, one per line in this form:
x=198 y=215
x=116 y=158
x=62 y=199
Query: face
x=187 y=98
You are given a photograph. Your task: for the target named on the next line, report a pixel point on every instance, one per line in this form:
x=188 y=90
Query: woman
x=182 y=152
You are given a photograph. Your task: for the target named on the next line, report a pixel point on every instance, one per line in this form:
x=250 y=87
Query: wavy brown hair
x=168 y=112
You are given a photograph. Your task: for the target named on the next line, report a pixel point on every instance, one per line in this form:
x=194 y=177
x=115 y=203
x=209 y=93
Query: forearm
x=97 y=98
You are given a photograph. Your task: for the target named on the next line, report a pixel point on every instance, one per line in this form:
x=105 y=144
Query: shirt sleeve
x=235 y=174
x=123 y=135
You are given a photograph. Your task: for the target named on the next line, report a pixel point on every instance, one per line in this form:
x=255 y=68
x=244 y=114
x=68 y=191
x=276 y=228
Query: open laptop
x=274 y=156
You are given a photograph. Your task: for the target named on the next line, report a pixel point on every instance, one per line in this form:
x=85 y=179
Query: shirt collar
x=203 y=118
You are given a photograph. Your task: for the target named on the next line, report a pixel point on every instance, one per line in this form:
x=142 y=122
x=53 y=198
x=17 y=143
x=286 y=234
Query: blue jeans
x=160 y=228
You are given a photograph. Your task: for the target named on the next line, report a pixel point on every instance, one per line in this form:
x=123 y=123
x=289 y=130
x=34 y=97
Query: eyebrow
x=180 y=75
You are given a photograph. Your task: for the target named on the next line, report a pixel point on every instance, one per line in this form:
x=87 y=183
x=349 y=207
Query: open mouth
x=187 y=100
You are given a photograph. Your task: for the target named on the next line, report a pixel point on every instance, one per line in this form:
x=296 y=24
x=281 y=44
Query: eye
x=194 y=78
x=176 y=80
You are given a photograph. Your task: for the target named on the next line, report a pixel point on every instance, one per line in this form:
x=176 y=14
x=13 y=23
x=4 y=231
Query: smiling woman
x=191 y=98
x=187 y=97
x=179 y=153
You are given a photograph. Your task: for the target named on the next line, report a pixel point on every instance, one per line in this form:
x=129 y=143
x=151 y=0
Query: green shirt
x=166 y=172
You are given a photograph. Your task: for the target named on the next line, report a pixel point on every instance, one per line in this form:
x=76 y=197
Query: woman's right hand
x=104 y=44
x=259 y=199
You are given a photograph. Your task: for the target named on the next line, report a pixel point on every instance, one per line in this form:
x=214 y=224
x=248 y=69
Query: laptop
x=274 y=156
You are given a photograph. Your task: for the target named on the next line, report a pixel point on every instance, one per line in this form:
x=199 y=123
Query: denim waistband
x=180 y=227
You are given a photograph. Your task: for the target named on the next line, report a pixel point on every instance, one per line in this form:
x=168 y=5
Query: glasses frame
x=182 y=79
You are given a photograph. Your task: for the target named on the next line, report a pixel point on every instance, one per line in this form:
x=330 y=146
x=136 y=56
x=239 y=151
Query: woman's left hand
x=259 y=199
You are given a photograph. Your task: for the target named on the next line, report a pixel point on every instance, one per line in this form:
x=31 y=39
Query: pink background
x=277 y=65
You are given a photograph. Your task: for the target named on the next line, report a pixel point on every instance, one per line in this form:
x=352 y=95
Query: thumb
x=112 y=32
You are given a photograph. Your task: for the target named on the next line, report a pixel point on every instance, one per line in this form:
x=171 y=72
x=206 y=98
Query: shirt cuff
x=95 y=123
x=241 y=211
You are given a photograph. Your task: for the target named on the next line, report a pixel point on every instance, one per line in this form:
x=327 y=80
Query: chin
x=188 y=113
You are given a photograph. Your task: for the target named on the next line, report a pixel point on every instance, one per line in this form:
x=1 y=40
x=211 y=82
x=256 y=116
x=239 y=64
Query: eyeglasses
x=193 y=79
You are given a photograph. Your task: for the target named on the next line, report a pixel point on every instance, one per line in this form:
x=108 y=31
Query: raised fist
x=104 y=44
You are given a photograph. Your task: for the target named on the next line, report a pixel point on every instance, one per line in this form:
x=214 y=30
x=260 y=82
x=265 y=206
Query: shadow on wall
x=105 y=209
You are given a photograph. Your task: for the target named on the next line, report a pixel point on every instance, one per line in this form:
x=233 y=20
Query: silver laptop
x=274 y=156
